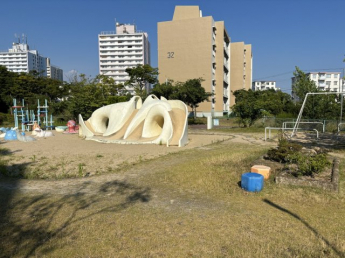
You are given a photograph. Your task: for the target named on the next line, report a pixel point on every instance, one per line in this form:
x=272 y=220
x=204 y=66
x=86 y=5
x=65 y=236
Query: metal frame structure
x=305 y=100
x=322 y=123
x=278 y=128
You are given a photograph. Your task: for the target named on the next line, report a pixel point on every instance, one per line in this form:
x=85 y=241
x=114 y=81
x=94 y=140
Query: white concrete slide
x=156 y=121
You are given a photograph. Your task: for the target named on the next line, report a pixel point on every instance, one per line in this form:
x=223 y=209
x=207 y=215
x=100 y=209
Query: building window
x=335 y=76
x=328 y=84
x=328 y=76
x=314 y=76
x=335 y=83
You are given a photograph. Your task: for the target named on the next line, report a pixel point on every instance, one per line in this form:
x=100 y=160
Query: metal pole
x=341 y=107
x=265 y=133
x=299 y=115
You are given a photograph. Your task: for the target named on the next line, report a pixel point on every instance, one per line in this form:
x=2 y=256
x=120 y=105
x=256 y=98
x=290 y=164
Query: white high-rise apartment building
x=264 y=85
x=124 y=48
x=329 y=81
x=21 y=59
x=54 y=72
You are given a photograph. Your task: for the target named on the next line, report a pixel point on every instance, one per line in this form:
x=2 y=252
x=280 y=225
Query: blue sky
x=309 y=34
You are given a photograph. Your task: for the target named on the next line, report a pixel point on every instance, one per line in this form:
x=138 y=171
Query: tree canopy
x=302 y=85
x=166 y=90
x=82 y=95
x=316 y=106
x=192 y=93
x=140 y=76
x=252 y=105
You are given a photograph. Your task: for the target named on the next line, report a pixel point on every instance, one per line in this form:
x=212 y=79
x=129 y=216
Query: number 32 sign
x=171 y=54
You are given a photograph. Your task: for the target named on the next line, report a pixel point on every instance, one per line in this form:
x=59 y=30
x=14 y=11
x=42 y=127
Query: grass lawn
x=185 y=204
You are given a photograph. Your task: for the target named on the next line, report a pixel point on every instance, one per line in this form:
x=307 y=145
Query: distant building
x=121 y=49
x=328 y=81
x=241 y=68
x=264 y=85
x=54 y=72
x=194 y=46
x=20 y=59
x=325 y=81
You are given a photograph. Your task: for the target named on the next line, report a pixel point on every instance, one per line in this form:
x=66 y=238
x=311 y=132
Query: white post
x=209 y=123
x=265 y=133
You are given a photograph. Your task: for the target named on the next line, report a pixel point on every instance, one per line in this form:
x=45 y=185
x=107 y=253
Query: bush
x=197 y=121
x=284 y=150
x=6 y=119
x=308 y=163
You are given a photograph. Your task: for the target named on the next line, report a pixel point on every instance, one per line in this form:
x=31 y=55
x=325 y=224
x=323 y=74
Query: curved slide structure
x=156 y=121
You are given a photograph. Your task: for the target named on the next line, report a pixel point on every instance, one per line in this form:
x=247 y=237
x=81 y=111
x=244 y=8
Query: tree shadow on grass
x=37 y=222
x=316 y=233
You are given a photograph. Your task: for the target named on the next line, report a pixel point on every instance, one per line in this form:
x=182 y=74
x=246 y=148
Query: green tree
x=302 y=84
x=191 y=93
x=166 y=90
x=274 y=102
x=140 y=76
x=6 y=82
x=109 y=87
x=252 y=105
x=246 y=107
x=316 y=106
x=85 y=97
x=87 y=94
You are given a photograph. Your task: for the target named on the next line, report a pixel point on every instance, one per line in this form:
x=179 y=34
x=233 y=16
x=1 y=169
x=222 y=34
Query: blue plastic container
x=252 y=182
x=11 y=135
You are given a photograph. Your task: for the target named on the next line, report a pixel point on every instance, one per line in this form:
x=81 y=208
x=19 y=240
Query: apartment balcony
x=114 y=43
x=110 y=71
x=226 y=49
x=225 y=93
x=115 y=75
x=119 y=58
x=114 y=68
x=226 y=53
x=121 y=52
x=226 y=79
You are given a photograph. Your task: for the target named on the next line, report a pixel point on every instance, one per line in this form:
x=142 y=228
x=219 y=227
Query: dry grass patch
x=187 y=204
x=213 y=171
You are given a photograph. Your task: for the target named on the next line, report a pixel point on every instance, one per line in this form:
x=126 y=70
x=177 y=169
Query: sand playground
x=68 y=155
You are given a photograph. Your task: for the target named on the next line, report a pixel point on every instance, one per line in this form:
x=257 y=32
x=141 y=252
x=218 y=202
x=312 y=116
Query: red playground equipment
x=72 y=127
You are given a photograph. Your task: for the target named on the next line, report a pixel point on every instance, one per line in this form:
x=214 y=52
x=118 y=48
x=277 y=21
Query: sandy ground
x=66 y=156
x=61 y=145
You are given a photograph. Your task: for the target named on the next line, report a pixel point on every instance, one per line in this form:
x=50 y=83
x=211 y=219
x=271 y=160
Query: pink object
x=72 y=127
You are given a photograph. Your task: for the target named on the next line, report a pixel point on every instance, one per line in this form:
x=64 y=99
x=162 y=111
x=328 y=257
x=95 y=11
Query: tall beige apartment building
x=241 y=73
x=192 y=46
